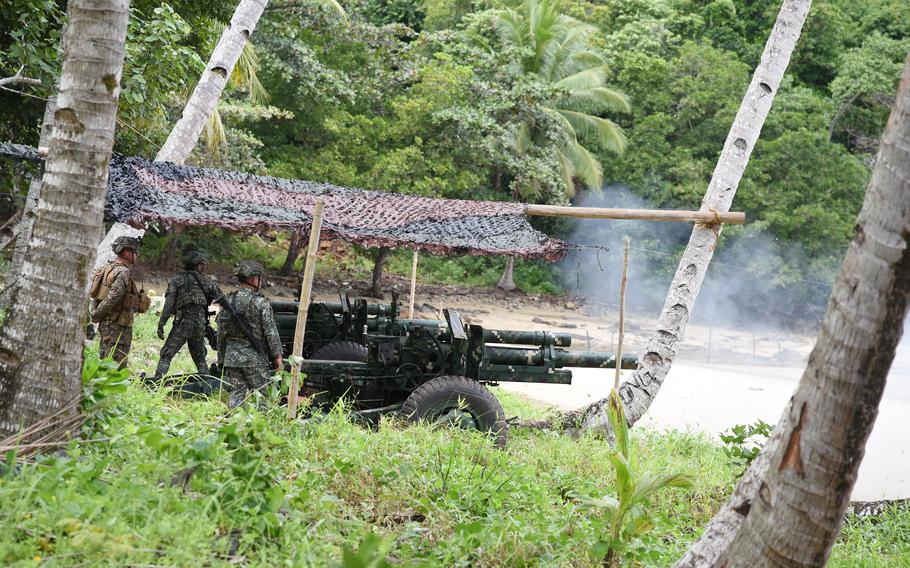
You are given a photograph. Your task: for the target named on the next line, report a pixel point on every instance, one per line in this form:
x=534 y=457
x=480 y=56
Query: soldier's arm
x=119 y=288
x=214 y=291
x=170 y=297
x=270 y=332
x=222 y=340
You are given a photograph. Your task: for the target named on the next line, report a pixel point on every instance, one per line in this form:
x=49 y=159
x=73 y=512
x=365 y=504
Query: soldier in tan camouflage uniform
x=116 y=299
x=187 y=299
x=246 y=363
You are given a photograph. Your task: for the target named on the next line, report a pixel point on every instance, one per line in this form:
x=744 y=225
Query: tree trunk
x=640 y=389
x=41 y=342
x=183 y=137
x=169 y=257
x=293 y=253
x=803 y=480
x=23 y=230
x=382 y=254
x=505 y=281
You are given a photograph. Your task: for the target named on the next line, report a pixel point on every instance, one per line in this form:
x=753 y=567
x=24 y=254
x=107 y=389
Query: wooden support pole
x=413 y=285
x=622 y=309
x=709 y=217
x=303 y=308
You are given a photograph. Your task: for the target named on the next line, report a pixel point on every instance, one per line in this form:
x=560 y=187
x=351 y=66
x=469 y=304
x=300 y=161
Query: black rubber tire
x=341 y=351
x=441 y=396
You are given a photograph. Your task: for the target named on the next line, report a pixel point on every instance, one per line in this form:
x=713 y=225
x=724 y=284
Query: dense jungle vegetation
x=159 y=481
x=449 y=99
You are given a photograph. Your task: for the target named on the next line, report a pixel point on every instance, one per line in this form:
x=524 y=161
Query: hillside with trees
x=454 y=99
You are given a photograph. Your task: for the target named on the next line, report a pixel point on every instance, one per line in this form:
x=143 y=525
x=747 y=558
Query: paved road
x=711 y=398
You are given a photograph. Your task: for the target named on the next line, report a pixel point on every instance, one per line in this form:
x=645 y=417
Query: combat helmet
x=125 y=242
x=246 y=269
x=194 y=257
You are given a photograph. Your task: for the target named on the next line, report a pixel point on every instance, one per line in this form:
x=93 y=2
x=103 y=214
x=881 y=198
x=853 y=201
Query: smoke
x=753 y=281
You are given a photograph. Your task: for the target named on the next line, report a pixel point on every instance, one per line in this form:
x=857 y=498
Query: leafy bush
x=743 y=443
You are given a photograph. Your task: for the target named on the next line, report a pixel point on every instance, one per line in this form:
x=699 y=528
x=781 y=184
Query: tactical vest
x=190 y=293
x=133 y=301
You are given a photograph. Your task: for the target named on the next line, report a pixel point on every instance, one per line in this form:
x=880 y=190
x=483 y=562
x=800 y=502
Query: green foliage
x=101 y=378
x=549 y=47
x=743 y=442
x=627 y=513
x=169 y=482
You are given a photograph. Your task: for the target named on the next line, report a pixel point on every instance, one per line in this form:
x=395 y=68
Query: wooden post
x=622 y=309
x=708 y=217
x=413 y=284
x=303 y=308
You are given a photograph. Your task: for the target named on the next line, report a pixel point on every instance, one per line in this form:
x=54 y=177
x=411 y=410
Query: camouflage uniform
x=245 y=368
x=187 y=299
x=116 y=312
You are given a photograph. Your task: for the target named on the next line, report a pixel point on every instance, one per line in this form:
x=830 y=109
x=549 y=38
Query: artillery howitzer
x=425 y=369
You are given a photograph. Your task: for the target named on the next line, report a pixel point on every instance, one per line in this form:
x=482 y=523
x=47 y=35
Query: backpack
x=101 y=282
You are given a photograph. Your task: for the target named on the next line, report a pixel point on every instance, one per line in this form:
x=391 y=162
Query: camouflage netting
x=142 y=192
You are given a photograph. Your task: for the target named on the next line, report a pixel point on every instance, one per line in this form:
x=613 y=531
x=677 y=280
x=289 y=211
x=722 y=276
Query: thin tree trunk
x=640 y=389
x=293 y=253
x=41 y=342
x=169 y=258
x=804 y=479
x=183 y=137
x=382 y=254
x=506 y=282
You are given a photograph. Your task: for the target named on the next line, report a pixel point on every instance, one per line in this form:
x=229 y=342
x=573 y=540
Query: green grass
x=278 y=494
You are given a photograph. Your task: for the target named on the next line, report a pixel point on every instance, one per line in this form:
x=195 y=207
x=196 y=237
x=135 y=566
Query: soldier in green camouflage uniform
x=115 y=300
x=246 y=368
x=187 y=299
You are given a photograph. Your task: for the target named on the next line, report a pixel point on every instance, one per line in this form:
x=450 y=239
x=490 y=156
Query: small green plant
x=371 y=553
x=101 y=378
x=627 y=517
x=743 y=443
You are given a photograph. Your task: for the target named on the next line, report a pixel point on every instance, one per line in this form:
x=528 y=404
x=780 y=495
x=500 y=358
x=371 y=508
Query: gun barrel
x=515 y=337
x=373 y=309
x=561 y=358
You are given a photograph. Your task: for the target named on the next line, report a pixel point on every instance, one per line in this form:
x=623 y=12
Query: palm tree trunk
x=799 y=492
x=23 y=230
x=382 y=254
x=183 y=137
x=642 y=387
x=293 y=253
x=41 y=342
x=506 y=282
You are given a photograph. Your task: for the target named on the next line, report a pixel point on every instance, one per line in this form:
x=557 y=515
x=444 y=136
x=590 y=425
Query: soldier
x=248 y=342
x=116 y=299
x=187 y=299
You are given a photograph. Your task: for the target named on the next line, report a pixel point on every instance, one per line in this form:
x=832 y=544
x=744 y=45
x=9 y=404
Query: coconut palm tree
x=557 y=50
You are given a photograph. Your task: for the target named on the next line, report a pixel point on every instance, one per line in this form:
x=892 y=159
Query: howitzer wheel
x=341 y=351
x=459 y=401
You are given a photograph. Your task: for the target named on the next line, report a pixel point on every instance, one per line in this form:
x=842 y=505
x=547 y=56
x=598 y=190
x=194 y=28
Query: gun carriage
x=425 y=369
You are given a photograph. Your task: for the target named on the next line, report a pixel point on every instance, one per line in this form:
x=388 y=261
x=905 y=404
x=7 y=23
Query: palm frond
x=567 y=172
x=246 y=74
x=603 y=131
x=587 y=166
x=590 y=78
x=652 y=483
x=337 y=7
x=214 y=135
x=601 y=99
